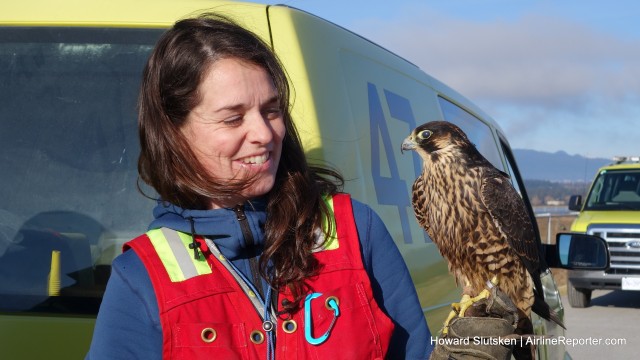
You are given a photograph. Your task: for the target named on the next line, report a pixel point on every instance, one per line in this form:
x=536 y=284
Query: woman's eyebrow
x=273 y=99
x=240 y=106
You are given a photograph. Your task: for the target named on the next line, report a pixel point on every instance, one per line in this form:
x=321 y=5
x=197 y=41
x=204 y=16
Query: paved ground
x=608 y=329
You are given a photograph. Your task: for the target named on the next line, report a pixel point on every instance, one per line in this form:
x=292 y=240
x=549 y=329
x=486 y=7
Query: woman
x=253 y=253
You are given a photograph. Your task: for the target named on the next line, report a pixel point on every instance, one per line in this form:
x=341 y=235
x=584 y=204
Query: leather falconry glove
x=485 y=332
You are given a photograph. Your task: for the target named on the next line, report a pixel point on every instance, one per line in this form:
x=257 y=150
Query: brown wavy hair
x=169 y=91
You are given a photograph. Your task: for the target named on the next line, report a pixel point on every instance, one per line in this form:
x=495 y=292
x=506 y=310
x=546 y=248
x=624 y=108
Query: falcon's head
x=432 y=139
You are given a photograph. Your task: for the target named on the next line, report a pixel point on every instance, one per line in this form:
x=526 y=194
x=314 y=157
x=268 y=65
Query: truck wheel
x=578 y=298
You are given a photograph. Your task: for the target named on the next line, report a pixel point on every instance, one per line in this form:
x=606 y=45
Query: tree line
x=541 y=192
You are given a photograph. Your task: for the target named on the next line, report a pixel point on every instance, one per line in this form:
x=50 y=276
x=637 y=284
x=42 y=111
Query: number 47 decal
x=390 y=190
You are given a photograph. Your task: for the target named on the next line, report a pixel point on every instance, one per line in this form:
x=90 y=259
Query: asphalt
x=608 y=329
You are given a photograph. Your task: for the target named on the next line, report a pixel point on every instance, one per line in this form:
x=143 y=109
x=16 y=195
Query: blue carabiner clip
x=308 y=322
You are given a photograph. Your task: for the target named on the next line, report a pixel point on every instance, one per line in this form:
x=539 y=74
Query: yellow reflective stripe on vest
x=173 y=249
x=328 y=224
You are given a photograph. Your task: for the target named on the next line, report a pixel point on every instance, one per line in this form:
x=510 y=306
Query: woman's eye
x=234 y=120
x=272 y=114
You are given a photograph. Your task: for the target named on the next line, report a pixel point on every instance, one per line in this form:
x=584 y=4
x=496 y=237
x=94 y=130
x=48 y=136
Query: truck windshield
x=68 y=162
x=615 y=190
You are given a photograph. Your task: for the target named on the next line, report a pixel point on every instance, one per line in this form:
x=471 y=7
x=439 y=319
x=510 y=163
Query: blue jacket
x=128 y=324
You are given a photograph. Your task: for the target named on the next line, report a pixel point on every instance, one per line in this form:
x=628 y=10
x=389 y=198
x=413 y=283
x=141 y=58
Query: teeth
x=257 y=160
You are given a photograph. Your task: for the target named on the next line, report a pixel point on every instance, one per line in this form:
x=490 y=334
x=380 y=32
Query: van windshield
x=615 y=190
x=68 y=162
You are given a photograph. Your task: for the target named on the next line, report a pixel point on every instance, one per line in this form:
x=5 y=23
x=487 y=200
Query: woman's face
x=236 y=131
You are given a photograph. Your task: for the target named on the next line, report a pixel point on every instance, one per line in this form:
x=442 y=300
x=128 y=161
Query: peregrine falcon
x=477 y=220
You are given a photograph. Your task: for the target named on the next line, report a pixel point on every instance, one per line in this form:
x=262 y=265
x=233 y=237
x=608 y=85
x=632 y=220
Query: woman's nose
x=259 y=129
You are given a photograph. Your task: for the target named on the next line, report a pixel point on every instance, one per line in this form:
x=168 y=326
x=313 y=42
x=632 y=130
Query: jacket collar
x=221 y=225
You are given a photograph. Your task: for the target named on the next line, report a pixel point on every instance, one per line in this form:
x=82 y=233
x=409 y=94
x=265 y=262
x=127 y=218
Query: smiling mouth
x=256 y=160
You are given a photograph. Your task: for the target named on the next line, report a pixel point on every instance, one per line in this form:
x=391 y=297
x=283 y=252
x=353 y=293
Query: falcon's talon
x=455 y=311
x=457 y=306
x=484 y=294
x=452 y=315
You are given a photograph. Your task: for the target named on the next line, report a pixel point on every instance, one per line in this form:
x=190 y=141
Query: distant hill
x=557 y=167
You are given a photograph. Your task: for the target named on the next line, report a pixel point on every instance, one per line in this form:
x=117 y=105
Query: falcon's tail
x=541 y=308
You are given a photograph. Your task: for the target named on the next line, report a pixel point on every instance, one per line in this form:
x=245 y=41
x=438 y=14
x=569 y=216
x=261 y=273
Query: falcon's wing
x=509 y=213
x=419 y=203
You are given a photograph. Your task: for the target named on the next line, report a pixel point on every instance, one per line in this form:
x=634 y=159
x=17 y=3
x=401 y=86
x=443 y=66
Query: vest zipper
x=264 y=311
x=250 y=243
x=245 y=284
x=270 y=303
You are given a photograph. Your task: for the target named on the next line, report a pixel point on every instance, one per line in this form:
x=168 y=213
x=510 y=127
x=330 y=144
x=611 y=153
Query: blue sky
x=557 y=75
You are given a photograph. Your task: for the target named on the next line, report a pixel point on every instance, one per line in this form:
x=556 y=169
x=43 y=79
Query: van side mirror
x=576 y=251
x=575 y=203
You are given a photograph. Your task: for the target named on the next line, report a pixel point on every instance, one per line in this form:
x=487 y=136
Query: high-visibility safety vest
x=207 y=313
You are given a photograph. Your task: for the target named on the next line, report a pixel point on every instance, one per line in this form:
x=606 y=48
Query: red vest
x=205 y=314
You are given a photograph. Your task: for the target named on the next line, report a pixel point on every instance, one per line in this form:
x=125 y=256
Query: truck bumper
x=581 y=279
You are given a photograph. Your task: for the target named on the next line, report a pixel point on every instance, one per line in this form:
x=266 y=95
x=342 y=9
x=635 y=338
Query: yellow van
x=70 y=75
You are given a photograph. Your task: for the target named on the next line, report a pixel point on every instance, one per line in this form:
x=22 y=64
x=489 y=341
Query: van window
x=477 y=131
x=69 y=155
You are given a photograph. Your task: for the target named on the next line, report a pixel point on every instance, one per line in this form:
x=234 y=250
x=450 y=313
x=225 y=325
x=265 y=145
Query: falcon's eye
x=424 y=134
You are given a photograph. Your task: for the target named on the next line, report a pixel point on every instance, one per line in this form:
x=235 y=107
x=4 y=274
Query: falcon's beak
x=408 y=144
